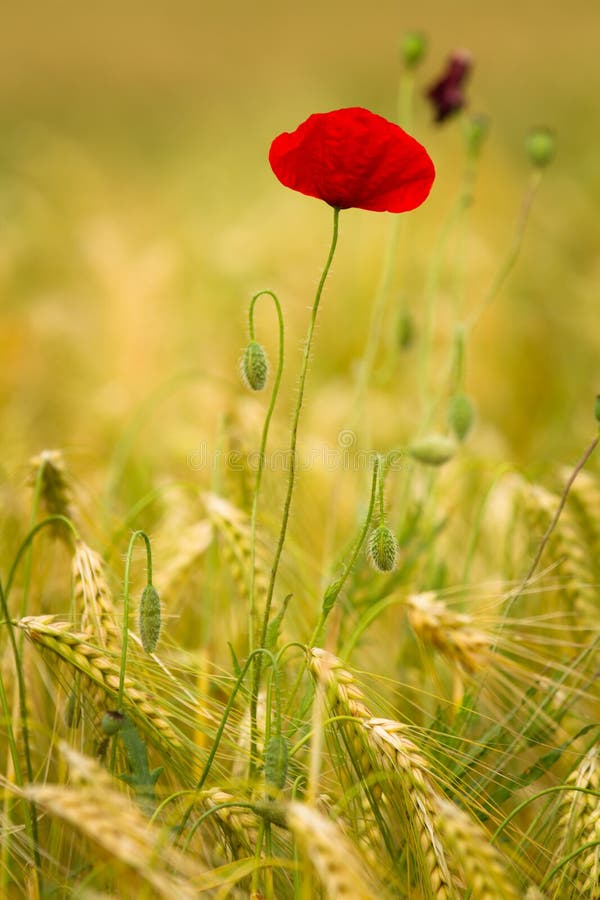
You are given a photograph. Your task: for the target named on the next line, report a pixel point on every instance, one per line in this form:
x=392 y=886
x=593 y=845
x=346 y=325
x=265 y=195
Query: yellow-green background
x=138 y=214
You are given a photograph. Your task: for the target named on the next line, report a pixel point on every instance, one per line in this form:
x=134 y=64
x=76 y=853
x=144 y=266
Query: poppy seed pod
x=255 y=366
x=383 y=549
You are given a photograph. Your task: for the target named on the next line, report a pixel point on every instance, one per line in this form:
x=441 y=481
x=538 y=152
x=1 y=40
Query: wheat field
x=392 y=693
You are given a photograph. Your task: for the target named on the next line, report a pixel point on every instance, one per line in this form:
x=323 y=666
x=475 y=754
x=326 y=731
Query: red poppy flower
x=354 y=158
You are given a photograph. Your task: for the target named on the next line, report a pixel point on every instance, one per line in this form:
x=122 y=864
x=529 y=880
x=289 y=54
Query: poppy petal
x=354 y=158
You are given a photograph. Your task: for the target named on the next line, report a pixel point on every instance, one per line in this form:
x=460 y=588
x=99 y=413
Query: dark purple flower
x=447 y=93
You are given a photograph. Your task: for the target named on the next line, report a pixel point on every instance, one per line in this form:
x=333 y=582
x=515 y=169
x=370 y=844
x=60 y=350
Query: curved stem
x=126 y=587
x=261 y=458
x=49 y=520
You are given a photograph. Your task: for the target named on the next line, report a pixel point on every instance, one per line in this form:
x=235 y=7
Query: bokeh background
x=138 y=214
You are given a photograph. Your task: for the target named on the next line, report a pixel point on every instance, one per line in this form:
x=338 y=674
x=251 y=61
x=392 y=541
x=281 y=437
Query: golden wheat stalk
x=93 y=596
x=233 y=525
x=338 y=866
x=238 y=827
x=381 y=744
x=95 y=808
x=102 y=667
x=192 y=543
x=483 y=868
x=567 y=545
x=55 y=489
x=454 y=635
x=580 y=824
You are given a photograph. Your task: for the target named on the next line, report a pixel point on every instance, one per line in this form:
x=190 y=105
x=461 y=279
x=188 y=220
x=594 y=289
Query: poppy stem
x=290 y=485
x=253 y=631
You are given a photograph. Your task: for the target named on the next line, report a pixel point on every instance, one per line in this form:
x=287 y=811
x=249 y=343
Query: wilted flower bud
x=413 y=48
x=447 y=93
x=255 y=366
x=461 y=415
x=540 y=146
x=382 y=550
x=434 y=450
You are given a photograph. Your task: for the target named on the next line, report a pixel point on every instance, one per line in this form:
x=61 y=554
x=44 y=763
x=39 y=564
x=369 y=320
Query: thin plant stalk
x=406 y=89
x=126 y=593
x=291 y=481
x=334 y=590
x=31 y=818
x=294 y=430
x=513 y=251
x=261 y=456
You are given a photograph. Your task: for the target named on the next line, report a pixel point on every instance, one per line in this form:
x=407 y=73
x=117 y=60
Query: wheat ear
x=580 y=824
x=99 y=811
x=103 y=669
x=452 y=634
x=338 y=866
x=481 y=863
x=93 y=596
x=385 y=741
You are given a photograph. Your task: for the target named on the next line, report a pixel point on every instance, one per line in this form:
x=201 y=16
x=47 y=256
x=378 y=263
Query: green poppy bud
x=541 y=147
x=276 y=762
x=412 y=48
x=255 y=366
x=150 y=618
x=434 y=450
x=382 y=549
x=461 y=415
x=111 y=723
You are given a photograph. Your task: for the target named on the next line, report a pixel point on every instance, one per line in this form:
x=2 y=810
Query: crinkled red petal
x=354 y=158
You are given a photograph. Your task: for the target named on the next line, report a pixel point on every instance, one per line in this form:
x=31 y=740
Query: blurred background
x=138 y=214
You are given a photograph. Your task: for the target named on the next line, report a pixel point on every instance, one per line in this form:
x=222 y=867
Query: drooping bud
x=150 y=618
x=433 y=450
x=255 y=366
x=382 y=550
x=461 y=415
x=541 y=147
x=412 y=48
